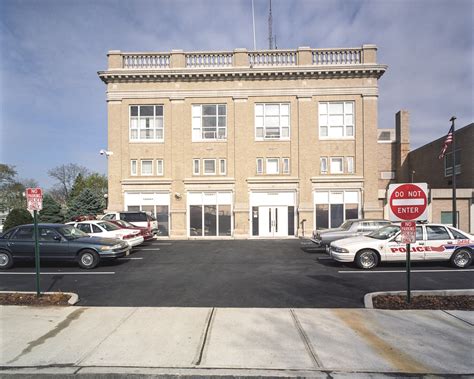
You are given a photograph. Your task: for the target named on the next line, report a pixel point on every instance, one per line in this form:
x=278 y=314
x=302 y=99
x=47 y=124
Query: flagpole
x=454 y=173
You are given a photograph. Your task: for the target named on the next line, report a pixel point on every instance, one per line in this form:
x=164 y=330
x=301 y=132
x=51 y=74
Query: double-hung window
x=336 y=165
x=133 y=167
x=159 y=167
x=336 y=119
x=147 y=167
x=209 y=166
x=209 y=122
x=272 y=121
x=273 y=166
x=146 y=123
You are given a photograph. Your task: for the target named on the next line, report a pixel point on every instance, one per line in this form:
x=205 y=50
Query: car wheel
x=6 y=260
x=88 y=259
x=366 y=259
x=461 y=258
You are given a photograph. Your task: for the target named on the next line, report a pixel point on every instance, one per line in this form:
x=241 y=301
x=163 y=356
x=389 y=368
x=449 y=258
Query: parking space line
x=162 y=243
x=399 y=271
x=148 y=249
x=60 y=273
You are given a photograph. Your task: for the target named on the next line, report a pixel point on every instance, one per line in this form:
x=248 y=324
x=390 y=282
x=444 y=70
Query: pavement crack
x=107 y=336
x=207 y=332
x=307 y=343
x=52 y=333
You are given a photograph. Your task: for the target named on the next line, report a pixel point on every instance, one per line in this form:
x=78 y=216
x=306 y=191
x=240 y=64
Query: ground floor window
x=332 y=208
x=447 y=218
x=210 y=214
x=156 y=204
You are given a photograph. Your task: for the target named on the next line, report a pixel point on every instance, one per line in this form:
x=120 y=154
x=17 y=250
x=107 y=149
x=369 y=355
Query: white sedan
x=434 y=242
x=106 y=229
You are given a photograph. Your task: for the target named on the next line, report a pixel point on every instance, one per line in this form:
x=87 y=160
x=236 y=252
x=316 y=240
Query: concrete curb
x=74 y=298
x=369 y=304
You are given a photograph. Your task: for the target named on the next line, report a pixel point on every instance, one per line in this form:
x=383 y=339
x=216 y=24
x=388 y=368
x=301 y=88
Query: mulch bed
x=33 y=300
x=460 y=303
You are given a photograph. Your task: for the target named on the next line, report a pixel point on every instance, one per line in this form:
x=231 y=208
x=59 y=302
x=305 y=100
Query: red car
x=145 y=232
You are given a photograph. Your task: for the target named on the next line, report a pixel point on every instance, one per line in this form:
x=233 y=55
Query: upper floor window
x=448 y=163
x=209 y=122
x=336 y=120
x=273 y=166
x=272 y=121
x=146 y=123
x=159 y=167
x=147 y=167
x=133 y=167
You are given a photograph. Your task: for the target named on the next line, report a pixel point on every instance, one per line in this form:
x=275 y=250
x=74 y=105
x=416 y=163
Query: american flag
x=447 y=141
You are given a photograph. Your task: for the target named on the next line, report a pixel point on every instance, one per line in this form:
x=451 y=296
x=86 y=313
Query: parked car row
x=369 y=242
x=84 y=240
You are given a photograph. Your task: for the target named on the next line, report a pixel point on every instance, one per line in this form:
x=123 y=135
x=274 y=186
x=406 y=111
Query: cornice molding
x=231 y=74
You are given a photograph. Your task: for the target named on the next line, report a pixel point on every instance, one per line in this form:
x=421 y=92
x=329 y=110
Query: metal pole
x=37 y=256
x=455 y=221
x=408 y=274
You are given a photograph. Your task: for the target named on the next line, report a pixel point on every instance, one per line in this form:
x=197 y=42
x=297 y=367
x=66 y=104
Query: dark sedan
x=58 y=242
x=350 y=228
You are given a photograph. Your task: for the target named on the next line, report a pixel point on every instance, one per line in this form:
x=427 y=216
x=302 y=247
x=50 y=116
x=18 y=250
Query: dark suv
x=137 y=218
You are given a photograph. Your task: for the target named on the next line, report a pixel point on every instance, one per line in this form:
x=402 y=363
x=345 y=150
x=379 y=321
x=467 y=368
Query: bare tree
x=66 y=175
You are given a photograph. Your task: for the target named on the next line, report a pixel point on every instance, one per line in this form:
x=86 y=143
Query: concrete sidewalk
x=128 y=342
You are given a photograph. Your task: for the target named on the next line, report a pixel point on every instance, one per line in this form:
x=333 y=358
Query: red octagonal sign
x=408 y=201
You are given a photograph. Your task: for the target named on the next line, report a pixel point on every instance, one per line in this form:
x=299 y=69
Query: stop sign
x=408 y=201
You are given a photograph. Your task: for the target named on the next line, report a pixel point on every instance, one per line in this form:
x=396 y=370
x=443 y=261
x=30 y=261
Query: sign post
x=34 y=201
x=408 y=203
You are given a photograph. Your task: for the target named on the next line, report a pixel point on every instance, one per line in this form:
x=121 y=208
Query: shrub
x=16 y=217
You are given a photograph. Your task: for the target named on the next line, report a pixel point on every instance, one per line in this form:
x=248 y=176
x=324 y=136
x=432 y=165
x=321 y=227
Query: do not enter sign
x=408 y=202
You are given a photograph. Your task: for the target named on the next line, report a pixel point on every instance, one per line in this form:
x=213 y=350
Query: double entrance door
x=273 y=221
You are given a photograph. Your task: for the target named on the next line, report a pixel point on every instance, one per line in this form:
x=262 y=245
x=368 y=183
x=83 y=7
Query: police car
x=434 y=242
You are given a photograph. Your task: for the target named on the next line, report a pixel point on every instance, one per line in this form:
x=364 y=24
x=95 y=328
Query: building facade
x=244 y=144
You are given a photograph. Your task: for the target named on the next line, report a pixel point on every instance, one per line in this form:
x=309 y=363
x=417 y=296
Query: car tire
x=88 y=259
x=366 y=259
x=461 y=258
x=6 y=260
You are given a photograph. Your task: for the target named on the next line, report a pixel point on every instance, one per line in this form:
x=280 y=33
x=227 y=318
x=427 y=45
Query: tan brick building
x=245 y=143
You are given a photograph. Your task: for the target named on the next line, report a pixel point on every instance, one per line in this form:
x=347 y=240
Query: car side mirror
x=57 y=238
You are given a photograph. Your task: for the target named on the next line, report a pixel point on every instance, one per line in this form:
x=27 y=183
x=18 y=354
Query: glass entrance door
x=273 y=221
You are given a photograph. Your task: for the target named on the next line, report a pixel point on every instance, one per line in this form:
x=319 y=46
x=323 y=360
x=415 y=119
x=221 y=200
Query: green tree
x=87 y=202
x=17 y=216
x=65 y=176
x=51 y=211
x=96 y=182
x=11 y=190
x=77 y=187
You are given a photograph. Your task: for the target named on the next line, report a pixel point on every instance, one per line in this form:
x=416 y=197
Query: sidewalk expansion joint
x=459 y=318
x=205 y=336
x=307 y=343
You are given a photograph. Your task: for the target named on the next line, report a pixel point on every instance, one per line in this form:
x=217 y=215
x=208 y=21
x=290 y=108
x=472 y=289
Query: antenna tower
x=270 y=32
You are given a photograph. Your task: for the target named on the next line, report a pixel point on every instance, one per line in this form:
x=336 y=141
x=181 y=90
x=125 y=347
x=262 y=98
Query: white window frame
x=155 y=123
x=141 y=167
x=323 y=165
x=133 y=167
x=350 y=168
x=286 y=166
x=204 y=166
x=197 y=123
x=160 y=167
x=324 y=118
x=277 y=166
x=264 y=125
x=196 y=165
x=259 y=166
x=222 y=167
x=332 y=159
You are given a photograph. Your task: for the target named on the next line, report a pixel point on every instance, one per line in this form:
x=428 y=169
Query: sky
x=52 y=103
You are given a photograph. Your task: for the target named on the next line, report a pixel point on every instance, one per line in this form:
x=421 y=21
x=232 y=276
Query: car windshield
x=108 y=226
x=70 y=232
x=385 y=233
x=346 y=225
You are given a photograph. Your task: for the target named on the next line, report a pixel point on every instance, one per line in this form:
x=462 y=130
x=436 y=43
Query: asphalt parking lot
x=231 y=273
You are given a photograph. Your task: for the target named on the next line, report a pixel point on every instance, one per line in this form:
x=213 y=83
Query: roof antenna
x=270 y=32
